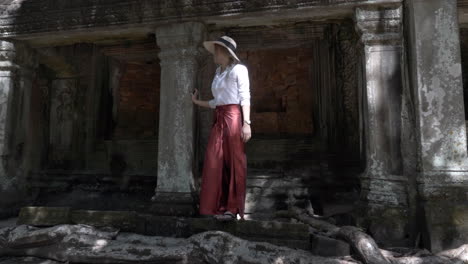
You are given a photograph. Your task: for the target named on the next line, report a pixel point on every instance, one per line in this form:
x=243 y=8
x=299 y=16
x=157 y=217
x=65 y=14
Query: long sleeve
x=243 y=85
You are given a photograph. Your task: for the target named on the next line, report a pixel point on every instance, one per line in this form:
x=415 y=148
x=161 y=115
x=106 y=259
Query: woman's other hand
x=199 y=102
x=246 y=133
x=195 y=96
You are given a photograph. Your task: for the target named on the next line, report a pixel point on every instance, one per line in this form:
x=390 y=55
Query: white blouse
x=231 y=86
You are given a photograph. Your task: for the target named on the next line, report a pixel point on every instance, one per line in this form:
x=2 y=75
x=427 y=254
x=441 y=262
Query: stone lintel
x=47 y=18
x=380 y=25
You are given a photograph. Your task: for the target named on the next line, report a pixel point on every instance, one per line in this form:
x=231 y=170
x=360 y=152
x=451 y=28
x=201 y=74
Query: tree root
x=85 y=244
x=367 y=249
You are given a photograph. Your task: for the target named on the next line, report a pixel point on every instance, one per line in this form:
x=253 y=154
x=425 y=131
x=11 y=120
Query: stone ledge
x=278 y=233
x=44 y=216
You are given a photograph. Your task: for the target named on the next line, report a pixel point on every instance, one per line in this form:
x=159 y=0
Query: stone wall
x=97 y=111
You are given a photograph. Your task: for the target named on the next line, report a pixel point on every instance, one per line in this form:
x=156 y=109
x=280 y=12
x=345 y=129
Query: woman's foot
x=227 y=216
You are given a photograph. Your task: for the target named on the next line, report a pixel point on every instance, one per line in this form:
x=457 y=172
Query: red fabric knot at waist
x=225 y=118
x=228 y=108
x=227 y=111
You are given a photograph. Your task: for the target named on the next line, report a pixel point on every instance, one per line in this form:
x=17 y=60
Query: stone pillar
x=435 y=67
x=383 y=195
x=180 y=46
x=16 y=77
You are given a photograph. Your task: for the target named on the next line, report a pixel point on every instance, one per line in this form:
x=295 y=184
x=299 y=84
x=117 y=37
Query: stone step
x=278 y=233
x=268 y=190
x=26 y=260
x=272 y=190
x=264 y=149
x=60 y=179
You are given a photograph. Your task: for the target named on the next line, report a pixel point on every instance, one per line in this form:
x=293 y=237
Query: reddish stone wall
x=134 y=77
x=138 y=106
x=281 y=89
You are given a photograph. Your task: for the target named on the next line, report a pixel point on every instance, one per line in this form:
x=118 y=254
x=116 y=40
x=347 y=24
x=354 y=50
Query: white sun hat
x=224 y=41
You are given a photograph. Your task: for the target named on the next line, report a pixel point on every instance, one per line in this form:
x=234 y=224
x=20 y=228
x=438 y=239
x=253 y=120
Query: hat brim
x=209 y=45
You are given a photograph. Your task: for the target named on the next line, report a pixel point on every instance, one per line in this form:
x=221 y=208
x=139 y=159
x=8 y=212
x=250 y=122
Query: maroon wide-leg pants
x=225 y=166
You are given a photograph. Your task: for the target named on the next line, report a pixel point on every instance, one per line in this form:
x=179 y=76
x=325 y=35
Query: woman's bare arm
x=246 y=130
x=202 y=103
x=199 y=102
x=246 y=112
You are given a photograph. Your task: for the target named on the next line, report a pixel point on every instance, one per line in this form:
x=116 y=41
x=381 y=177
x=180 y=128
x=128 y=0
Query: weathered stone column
x=180 y=47
x=435 y=67
x=384 y=195
x=16 y=76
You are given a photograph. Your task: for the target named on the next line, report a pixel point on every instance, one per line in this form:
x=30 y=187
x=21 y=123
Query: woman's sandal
x=227 y=216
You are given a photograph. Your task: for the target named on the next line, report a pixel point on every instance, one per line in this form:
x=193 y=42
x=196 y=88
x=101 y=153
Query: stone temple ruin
x=358 y=112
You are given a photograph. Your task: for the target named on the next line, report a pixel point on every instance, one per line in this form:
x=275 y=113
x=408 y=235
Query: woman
x=225 y=167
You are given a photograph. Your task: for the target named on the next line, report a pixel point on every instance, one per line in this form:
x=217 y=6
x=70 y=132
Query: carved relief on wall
x=4 y=90
x=348 y=59
x=63 y=116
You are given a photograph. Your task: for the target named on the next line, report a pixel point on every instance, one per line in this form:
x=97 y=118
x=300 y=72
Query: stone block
x=329 y=247
x=439 y=213
x=169 y=226
x=124 y=220
x=388 y=226
x=44 y=216
x=447 y=225
x=267 y=229
x=447 y=236
x=173 y=204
